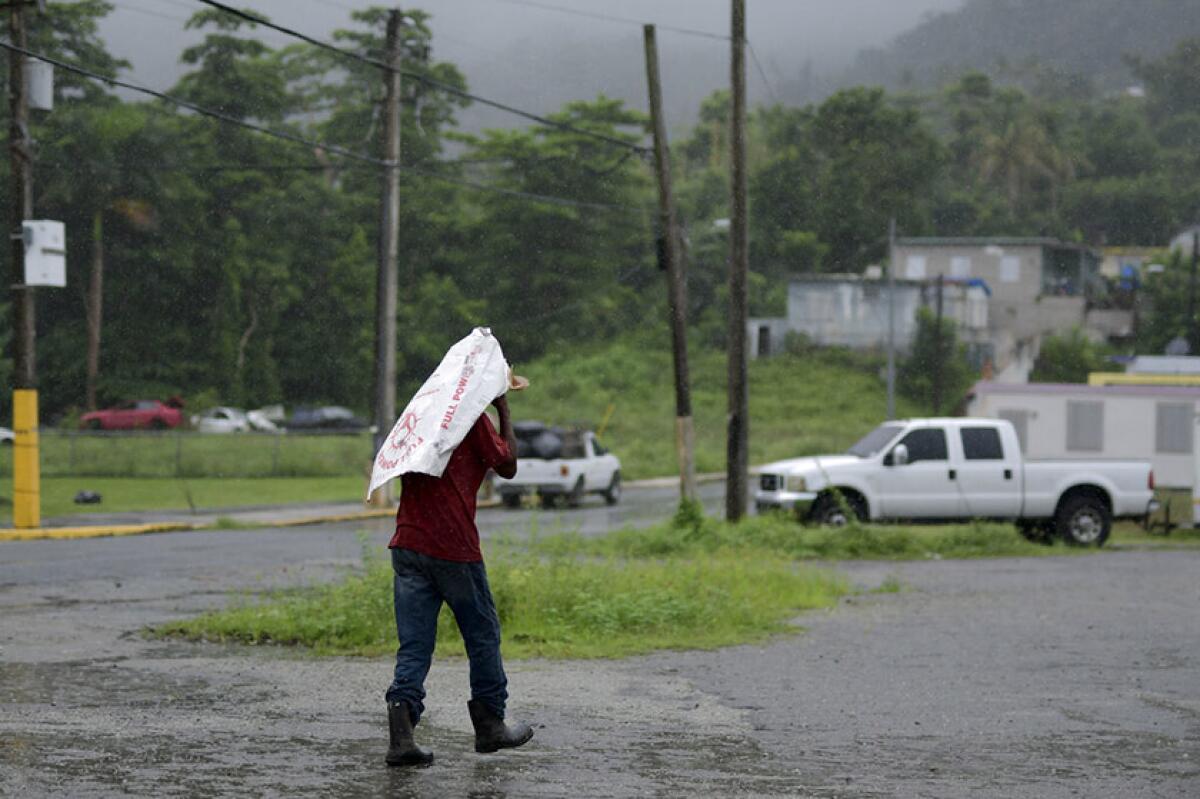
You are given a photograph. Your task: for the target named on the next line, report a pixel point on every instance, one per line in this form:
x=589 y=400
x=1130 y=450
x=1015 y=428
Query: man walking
x=436 y=558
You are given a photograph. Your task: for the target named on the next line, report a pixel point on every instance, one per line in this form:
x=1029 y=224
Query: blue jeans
x=419 y=587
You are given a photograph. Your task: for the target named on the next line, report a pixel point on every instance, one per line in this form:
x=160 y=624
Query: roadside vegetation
x=550 y=605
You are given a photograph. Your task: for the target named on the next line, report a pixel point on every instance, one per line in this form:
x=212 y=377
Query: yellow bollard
x=27 y=476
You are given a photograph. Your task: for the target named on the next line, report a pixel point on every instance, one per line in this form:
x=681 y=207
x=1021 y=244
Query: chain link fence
x=182 y=453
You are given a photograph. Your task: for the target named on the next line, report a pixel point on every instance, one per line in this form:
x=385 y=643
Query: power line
x=761 y=73
x=297 y=139
x=294 y=138
x=148 y=12
x=613 y=18
x=630 y=21
x=446 y=87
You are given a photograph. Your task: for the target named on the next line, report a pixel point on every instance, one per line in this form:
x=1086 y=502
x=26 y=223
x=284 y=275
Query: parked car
x=557 y=464
x=7 y=436
x=134 y=415
x=948 y=469
x=221 y=419
x=329 y=417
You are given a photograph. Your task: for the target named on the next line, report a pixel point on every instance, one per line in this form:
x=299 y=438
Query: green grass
x=819 y=401
x=549 y=606
x=187 y=454
x=691 y=534
x=140 y=494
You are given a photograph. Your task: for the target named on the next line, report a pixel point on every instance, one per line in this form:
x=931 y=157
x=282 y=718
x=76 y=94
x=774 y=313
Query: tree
x=554 y=272
x=1067 y=358
x=1163 y=304
x=1173 y=82
x=936 y=357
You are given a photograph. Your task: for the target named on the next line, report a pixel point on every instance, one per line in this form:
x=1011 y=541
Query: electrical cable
x=437 y=84
x=148 y=12
x=612 y=18
x=297 y=139
x=761 y=72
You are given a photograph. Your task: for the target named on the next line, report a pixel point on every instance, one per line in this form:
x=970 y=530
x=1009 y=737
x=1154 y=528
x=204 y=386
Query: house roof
x=989 y=387
x=986 y=241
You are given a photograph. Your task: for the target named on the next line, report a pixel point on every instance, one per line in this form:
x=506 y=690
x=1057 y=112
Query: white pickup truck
x=946 y=469
x=557 y=464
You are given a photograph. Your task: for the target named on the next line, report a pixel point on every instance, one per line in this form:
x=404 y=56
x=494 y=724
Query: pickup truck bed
x=560 y=465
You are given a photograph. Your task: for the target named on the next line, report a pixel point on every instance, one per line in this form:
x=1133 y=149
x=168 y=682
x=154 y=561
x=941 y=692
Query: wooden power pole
x=95 y=309
x=20 y=151
x=389 y=235
x=27 y=480
x=737 y=449
x=668 y=228
x=891 y=317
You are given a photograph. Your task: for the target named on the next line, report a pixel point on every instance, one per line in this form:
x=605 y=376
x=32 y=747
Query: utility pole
x=676 y=284
x=21 y=154
x=891 y=340
x=937 y=351
x=737 y=449
x=389 y=234
x=27 y=511
x=1193 y=337
x=95 y=308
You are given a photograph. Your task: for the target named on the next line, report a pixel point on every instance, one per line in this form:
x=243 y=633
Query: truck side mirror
x=900 y=455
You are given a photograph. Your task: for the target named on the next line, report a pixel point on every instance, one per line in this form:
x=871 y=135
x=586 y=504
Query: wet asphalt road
x=1054 y=677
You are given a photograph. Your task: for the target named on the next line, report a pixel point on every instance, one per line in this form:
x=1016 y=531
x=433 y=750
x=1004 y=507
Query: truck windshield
x=874 y=442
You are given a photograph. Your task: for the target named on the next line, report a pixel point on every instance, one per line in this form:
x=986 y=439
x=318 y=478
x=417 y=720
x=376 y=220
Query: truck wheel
x=612 y=495
x=511 y=500
x=1083 y=520
x=1037 y=532
x=575 y=498
x=158 y=424
x=829 y=511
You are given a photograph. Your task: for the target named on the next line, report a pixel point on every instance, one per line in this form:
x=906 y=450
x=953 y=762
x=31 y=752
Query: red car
x=134 y=415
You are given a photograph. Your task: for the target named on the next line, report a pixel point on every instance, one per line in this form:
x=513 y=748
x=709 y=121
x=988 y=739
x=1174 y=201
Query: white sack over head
x=439 y=416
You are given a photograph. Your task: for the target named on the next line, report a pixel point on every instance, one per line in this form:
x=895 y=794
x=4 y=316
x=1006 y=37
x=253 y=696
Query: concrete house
x=852 y=311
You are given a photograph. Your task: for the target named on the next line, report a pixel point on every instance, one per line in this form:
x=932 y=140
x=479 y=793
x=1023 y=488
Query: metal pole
x=676 y=282
x=891 y=341
x=386 y=279
x=737 y=454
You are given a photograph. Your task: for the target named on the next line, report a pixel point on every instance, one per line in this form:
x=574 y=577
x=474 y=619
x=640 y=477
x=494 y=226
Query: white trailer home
x=1071 y=420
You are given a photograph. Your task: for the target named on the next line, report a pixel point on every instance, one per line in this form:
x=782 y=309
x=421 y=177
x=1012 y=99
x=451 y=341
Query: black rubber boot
x=402 y=750
x=491 y=733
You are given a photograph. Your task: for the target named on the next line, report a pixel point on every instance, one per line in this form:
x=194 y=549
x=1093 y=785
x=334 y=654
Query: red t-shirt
x=437 y=514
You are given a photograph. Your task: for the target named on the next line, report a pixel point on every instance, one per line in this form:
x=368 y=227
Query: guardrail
x=187 y=453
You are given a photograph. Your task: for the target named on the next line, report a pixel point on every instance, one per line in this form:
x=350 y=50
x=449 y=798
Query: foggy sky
x=537 y=58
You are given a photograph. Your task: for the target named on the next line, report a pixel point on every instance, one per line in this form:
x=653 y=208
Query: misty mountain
x=540 y=55
x=1042 y=44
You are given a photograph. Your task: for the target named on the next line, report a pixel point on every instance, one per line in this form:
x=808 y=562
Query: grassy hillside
x=820 y=401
